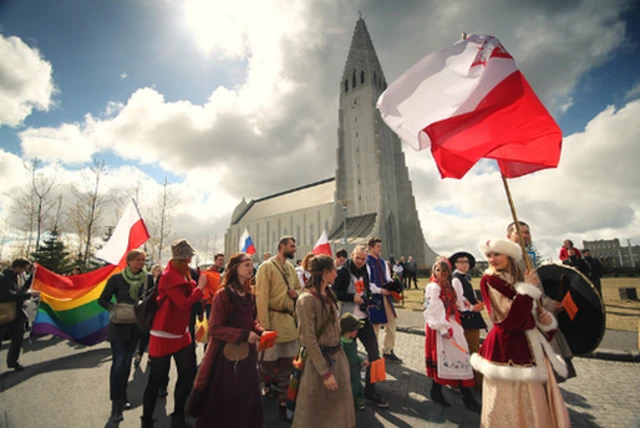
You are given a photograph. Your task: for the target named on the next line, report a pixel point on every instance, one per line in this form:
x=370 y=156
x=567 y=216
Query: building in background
x=612 y=254
x=371 y=193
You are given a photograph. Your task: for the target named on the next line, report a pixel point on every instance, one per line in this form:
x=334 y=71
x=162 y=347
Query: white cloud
x=593 y=194
x=277 y=129
x=633 y=93
x=26 y=81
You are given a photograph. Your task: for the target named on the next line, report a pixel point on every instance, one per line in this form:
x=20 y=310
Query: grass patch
x=621 y=315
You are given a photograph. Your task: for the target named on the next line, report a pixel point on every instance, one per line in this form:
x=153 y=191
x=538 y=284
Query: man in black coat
x=352 y=288
x=594 y=269
x=9 y=292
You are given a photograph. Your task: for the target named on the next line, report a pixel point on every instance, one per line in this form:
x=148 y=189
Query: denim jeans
x=121 y=355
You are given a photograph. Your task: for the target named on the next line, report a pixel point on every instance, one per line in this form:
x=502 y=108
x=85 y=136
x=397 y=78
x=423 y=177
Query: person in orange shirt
x=213 y=274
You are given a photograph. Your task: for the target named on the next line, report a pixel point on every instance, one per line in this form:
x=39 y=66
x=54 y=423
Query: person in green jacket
x=349 y=326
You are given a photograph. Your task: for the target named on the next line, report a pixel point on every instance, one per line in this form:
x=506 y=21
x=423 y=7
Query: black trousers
x=410 y=276
x=16 y=332
x=144 y=342
x=186 y=364
x=369 y=340
x=121 y=355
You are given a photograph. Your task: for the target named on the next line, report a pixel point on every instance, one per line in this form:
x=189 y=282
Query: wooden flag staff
x=525 y=256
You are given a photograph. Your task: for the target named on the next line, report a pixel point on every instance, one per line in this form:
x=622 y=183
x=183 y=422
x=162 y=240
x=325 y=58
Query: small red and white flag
x=322 y=246
x=469 y=101
x=129 y=234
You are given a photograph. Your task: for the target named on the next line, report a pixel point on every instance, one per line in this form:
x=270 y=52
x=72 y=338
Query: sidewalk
x=616 y=345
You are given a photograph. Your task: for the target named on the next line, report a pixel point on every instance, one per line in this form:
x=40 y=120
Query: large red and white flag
x=129 y=234
x=322 y=246
x=469 y=101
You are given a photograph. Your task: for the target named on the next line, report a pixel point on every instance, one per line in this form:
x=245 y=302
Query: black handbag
x=146 y=308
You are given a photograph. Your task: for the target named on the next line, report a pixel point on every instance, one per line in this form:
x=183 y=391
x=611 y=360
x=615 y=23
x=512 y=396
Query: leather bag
x=122 y=313
x=8 y=312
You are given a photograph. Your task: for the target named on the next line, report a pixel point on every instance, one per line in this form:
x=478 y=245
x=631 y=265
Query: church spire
x=362 y=64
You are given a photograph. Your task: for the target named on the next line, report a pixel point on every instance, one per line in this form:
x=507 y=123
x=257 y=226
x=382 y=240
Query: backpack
x=146 y=308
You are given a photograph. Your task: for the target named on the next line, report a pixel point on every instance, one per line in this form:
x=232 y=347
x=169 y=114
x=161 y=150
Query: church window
x=273 y=240
x=326 y=226
x=359 y=198
x=358 y=182
x=356 y=135
x=353 y=79
x=346 y=85
x=284 y=233
x=357 y=150
x=355 y=119
x=362 y=77
x=311 y=237
x=298 y=236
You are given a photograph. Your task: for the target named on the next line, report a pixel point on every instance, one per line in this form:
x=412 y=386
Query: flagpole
x=525 y=256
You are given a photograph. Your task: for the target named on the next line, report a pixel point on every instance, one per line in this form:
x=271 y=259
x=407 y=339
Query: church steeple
x=362 y=66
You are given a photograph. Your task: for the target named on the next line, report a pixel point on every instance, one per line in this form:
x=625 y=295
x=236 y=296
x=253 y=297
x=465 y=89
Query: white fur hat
x=501 y=246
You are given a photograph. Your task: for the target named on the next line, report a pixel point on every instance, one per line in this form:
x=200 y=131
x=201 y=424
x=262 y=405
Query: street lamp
x=344 y=226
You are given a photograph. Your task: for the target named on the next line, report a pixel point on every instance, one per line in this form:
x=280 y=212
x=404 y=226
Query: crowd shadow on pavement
x=38 y=343
x=578 y=418
x=88 y=360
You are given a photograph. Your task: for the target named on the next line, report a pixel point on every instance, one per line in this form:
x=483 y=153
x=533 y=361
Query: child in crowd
x=349 y=326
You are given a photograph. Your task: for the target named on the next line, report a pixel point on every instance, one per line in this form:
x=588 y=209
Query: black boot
x=178 y=421
x=436 y=395
x=147 y=422
x=117 y=406
x=469 y=400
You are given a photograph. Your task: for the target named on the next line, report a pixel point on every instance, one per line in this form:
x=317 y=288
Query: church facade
x=371 y=194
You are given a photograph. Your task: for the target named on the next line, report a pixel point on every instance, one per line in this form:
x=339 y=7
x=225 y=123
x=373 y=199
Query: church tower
x=372 y=180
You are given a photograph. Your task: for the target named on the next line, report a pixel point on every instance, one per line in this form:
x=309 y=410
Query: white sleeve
x=300 y=275
x=434 y=312
x=372 y=286
x=387 y=273
x=460 y=301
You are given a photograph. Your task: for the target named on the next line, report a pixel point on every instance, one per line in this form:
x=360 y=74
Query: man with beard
x=352 y=288
x=558 y=342
x=277 y=289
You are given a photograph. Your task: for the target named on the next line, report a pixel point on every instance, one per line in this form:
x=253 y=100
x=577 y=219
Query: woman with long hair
x=169 y=336
x=123 y=334
x=516 y=359
x=228 y=381
x=324 y=394
x=446 y=349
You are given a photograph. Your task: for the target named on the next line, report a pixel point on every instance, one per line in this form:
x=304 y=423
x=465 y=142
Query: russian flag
x=246 y=244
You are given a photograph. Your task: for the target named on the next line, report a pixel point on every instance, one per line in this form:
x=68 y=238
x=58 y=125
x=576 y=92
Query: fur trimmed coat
x=514 y=348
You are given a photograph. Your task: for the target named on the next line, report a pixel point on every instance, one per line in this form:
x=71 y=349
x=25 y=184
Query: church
x=370 y=195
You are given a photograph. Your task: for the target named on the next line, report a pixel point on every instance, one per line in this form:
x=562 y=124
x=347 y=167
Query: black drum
x=585 y=331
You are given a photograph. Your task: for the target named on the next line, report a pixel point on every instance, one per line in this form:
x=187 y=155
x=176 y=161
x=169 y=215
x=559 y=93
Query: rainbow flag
x=69 y=305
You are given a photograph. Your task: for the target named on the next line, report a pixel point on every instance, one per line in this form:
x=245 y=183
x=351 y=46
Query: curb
x=598 y=354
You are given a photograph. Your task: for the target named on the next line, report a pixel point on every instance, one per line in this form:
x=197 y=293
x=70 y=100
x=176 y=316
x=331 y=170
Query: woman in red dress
x=446 y=349
x=516 y=359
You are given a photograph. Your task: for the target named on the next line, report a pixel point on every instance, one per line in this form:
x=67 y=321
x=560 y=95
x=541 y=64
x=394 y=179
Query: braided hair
x=317 y=266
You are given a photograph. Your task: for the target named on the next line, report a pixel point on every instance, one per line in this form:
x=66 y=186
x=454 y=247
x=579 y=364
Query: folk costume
x=230 y=389
x=471 y=321
x=516 y=358
x=447 y=360
x=380 y=277
x=316 y=406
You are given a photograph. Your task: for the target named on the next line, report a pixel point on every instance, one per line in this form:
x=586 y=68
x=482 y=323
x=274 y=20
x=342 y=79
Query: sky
x=240 y=99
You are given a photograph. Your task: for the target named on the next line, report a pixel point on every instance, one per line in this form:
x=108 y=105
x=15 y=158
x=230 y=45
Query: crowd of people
x=583 y=262
x=319 y=311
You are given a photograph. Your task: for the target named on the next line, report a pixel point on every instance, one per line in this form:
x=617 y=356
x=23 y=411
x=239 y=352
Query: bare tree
x=161 y=221
x=41 y=186
x=33 y=205
x=90 y=201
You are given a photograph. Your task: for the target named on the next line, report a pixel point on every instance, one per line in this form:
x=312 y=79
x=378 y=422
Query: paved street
x=66 y=386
